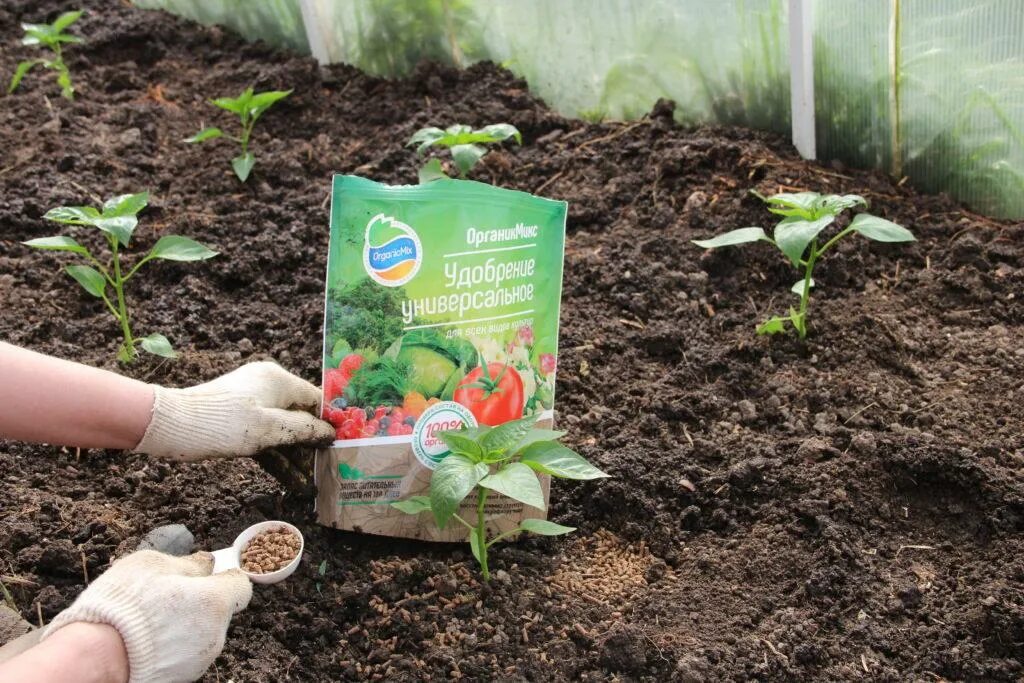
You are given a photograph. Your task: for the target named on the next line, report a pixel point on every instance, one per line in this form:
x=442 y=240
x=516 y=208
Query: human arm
x=257 y=406
x=169 y=614
x=46 y=399
x=80 y=652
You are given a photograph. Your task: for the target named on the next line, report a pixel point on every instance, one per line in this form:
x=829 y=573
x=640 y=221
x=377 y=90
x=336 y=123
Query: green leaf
x=502 y=131
x=474 y=546
x=158 y=345
x=458 y=442
x=243 y=164
x=178 y=248
x=466 y=156
x=57 y=243
x=36 y=34
x=64 y=81
x=551 y=457
x=235 y=105
x=797 y=204
x=125 y=352
x=125 y=204
x=475 y=433
x=517 y=481
x=121 y=227
x=91 y=279
x=798 y=286
x=73 y=215
x=206 y=134
x=425 y=137
x=545 y=528
x=19 y=73
x=728 y=239
x=775 y=325
x=793 y=234
x=65 y=20
x=452 y=481
x=261 y=102
x=835 y=204
x=431 y=171
x=538 y=435
x=879 y=229
x=412 y=506
x=506 y=436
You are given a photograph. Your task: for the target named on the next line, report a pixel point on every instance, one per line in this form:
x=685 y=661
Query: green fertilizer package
x=442 y=312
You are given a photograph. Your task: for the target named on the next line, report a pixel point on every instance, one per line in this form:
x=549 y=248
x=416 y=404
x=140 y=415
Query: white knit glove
x=171 y=613
x=258 y=406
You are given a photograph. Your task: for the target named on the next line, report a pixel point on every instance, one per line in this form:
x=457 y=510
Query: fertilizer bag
x=442 y=311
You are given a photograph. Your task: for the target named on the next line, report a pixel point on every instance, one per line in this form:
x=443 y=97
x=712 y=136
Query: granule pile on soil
x=269 y=551
x=848 y=508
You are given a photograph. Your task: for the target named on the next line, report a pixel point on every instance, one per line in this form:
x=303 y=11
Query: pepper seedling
x=117 y=220
x=466 y=145
x=805 y=216
x=248 y=106
x=505 y=459
x=51 y=36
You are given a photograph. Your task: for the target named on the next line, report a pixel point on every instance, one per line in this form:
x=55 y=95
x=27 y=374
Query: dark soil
x=847 y=508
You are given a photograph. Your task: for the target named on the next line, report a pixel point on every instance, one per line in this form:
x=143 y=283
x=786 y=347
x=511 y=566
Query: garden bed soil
x=848 y=508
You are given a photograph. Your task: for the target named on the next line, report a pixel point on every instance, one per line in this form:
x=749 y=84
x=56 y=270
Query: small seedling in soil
x=466 y=145
x=53 y=37
x=321 y=571
x=270 y=551
x=248 y=106
x=805 y=216
x=117 y=220
x=505 y=459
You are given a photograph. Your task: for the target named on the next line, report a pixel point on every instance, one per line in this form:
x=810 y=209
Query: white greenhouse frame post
x=801 y=76
x=315 y=38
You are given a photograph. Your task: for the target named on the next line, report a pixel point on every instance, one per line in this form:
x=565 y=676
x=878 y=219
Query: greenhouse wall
x=933 y=91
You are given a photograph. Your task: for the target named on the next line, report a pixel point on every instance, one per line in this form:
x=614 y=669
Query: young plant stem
x=800 y=321
x=801 y=316
x=481 y=532
x=122 y=309
x=247 y=125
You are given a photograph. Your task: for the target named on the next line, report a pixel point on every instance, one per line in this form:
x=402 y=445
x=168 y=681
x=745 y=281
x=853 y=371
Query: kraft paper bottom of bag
x=357 y=484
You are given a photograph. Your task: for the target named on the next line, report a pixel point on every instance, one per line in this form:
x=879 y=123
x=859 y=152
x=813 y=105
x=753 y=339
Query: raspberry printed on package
x=442 y=312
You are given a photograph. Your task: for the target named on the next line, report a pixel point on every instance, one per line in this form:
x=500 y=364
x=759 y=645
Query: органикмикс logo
x=392 y=253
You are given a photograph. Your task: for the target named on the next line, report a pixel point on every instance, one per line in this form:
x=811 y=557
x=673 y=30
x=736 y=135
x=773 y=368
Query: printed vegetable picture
x=375 y=392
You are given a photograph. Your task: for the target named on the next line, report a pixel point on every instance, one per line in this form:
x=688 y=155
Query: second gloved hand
x=171 y=613
x=257 y=406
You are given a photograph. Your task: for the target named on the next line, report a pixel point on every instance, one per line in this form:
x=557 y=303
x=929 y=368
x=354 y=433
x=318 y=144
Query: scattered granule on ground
x=603 y=567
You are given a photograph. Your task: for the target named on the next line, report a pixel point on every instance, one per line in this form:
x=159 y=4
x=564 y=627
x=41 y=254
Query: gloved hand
x=257 y=406
x=171 y=613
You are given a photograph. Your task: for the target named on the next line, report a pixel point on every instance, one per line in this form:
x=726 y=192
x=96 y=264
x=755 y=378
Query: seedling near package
x=117 y=220
x=52 y=37
x=505 y=459
x=805 y=216
x=248 y=106
x=466 y=145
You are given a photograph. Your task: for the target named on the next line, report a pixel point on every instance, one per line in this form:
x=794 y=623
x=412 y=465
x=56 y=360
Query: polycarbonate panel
x=278 y=22
x=852 y=81
x=720 y=61
x=930 y=90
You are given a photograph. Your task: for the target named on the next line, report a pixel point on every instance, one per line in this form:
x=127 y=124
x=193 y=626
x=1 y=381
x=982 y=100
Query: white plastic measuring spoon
x=230 y=558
